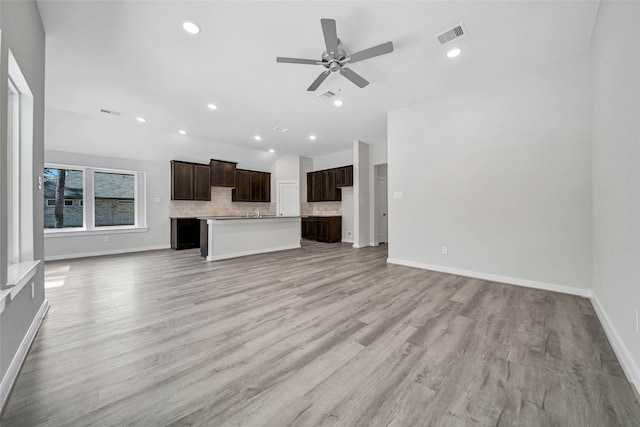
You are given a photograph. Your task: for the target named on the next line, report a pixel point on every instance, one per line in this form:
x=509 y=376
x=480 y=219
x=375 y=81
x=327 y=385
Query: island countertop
x=226 y=237
x=227 y=218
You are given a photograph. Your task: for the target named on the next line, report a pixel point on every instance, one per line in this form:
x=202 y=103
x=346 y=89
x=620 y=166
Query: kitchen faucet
x=257 y=213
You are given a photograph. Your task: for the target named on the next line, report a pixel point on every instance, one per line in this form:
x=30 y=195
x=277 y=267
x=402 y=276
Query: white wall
x=500 y=174
x=347 y=214
x=378 y=153
x=22 y=33
x=287 y=168
x=158 y=185
x=362 y=170
x=615 y=66
x=333 y=160
x=306 y=166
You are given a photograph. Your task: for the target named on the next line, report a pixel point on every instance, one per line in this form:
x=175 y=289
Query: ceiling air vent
x=113 y=113
x=451 y=34
x=281 y=128
x=328 y=94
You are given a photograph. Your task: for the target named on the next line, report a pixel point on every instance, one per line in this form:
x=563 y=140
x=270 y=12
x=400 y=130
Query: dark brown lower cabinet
x=322 y=228
x=309 y=228
x=204 y=238
x=185 y=233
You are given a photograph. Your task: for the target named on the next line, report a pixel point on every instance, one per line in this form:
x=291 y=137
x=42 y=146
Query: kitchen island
x=230 y=237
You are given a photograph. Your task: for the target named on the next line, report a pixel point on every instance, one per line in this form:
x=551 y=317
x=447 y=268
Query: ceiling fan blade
x=381 y=49
x=356 y=78
x=297 y=61
x=330 y=35
x=317 y=82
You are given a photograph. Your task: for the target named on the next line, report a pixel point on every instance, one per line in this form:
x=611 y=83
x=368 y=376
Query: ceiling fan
x=335 y=58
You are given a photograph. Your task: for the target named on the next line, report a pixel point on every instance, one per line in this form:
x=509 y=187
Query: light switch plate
x=398 y=195
x=156 y=200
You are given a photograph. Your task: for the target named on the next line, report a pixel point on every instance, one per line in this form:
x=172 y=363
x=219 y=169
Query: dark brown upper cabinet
x=324 y=186
x=223 y=174
x=344 y=176
x=252 y=186
x=190 y=181
x=202 y=182
x=242 y=192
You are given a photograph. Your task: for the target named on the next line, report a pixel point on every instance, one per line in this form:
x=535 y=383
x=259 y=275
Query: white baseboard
x=18 y=359
x=495 y=278
x=358 y=245
x=347 y=240
x=624 y=355
x=252 y=252
x=101 y=253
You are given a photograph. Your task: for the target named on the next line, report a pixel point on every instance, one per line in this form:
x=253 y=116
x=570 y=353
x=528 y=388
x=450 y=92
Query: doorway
x=381 y=212
x=288 y=198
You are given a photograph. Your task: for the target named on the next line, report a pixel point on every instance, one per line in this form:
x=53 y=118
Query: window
x=61 y=187
x=85 y=199
x=19 y=171
x=13 y=175
x=110 y=188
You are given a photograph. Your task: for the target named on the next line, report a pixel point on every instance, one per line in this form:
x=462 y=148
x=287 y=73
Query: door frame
x=385 y=203
x=278 y=186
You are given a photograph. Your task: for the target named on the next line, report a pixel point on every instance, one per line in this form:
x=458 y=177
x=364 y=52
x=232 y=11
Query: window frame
x=88 y=203
x=13 y=172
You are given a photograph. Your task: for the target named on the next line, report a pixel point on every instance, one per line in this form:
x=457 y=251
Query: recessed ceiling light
x=312 y=137
x=257 y=137
x=338 y=103
x=191 y=28
x=454 y=52
x=141 y=119
x=212 y=106
x=271 y=150
x=182 y=132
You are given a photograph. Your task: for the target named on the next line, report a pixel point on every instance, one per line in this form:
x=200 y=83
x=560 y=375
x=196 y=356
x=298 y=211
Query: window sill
x=18 y=275
x=94 y=232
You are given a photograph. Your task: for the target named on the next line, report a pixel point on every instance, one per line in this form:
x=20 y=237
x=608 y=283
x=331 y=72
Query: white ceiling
x=134 y=57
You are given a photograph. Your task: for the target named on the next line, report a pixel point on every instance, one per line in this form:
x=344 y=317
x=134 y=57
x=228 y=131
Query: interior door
x=288 y=199
x=381 y=209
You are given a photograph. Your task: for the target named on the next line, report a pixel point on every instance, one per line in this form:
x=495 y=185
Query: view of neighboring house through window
x=114 y=199
x=63 y=192
x=88 y=198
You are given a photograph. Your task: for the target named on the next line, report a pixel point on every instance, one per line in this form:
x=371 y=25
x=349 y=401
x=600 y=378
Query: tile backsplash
x=221 y=205
x=321 y=208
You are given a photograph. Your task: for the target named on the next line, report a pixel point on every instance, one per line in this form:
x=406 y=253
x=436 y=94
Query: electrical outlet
x=106 y=239
x=635 y=313
x=445 y=250
x=349 y=234
x=33 y=290
x=156 y=200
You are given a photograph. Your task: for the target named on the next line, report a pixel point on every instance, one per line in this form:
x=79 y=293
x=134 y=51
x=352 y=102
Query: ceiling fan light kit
x=335 y=58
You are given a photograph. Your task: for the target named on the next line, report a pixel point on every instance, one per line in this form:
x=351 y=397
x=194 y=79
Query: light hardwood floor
x=322 y=335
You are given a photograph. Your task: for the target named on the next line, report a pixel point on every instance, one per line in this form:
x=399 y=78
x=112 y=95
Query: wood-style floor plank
x=322 y=335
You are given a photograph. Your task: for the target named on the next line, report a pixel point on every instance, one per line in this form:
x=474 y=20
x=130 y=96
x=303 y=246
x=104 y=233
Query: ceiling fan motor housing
x=334 y=62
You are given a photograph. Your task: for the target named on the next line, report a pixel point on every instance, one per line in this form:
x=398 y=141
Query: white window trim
x=88 y=198
x=13 y=171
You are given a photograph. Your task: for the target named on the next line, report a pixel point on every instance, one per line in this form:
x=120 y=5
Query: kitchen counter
x=230 y=237
x=227 y=218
